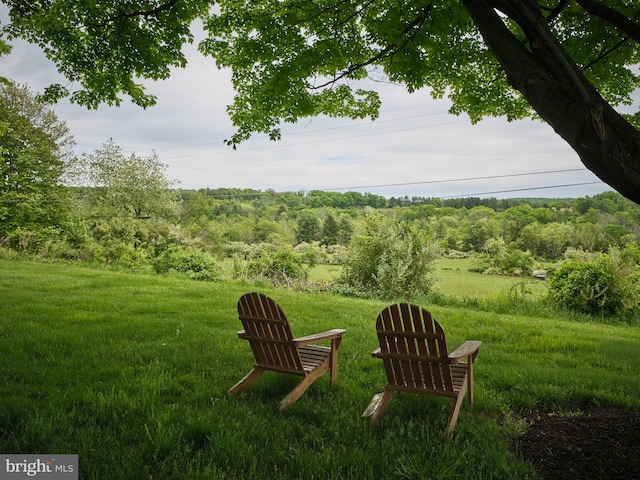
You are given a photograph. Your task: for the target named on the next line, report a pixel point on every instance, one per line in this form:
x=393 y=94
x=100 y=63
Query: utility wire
x=451 y=180
x=520 y=190
x=457 y=179
x=462 y=195
x=310 y=142
x=303 y=132
x=442 y=181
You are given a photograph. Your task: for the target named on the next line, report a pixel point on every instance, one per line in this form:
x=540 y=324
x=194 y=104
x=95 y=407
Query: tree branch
x=555 y=12
x=508 y=50
x=414 y=28
x=605 y=54
x=533 y=73
x=554 y=86
x=613 y=17
x=558 y=61
x=155 y=11
x=140 y=13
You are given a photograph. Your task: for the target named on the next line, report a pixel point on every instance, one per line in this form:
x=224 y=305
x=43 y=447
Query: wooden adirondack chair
x=413 y=349
x=267 y=329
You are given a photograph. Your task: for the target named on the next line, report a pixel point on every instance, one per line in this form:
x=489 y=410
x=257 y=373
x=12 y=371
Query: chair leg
x=246 y=381
x=379 y=405
x=453 y=418
x=335 y=344
x=299 y=389
x=470 y=382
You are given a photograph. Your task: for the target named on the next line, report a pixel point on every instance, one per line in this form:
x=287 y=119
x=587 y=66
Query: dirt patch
x=598 y=443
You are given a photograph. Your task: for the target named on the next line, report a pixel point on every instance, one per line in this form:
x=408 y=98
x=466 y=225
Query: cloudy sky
x=414 y=148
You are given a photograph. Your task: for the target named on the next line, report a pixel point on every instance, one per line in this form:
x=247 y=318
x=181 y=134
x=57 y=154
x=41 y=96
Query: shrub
x=517 y=262
x=279 y=264
x=452 y=253
x=499 y=259
x=60 y=249
x=32 y=241
x=121 y=254
x=196 y=264
x=389 y=260
x=239 y=249
x=607 y=285
x=311 y=253
x=336 y=254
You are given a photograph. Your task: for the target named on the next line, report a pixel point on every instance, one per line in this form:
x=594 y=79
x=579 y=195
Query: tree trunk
x=552 y=83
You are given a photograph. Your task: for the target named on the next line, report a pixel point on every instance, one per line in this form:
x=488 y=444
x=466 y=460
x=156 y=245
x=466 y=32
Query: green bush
x=196 y=264
x=312 y=253
x=499 y=259
x=121 y=254
x=389 y=260
x=607 y=285
x=517 y=262
x=61 y=249
x=31 y=241
x=280 y=264
x=241 y=250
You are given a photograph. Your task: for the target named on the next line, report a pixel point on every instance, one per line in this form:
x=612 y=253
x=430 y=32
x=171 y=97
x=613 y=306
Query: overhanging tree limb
x=563 y=97
x=612 y=16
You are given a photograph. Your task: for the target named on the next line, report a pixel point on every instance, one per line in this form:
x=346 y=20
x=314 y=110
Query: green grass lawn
x=455 y=279
x=130 y=372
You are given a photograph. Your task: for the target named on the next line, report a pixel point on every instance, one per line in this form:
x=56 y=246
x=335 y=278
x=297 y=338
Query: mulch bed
x=599 y=443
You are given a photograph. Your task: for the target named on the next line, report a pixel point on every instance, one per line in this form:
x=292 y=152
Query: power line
x=456 y=179
x=461 y=195
x=521 y=190
x=342 y=127
x=327 y=129
x=322 y=140
x=453 y=180
x=291 y=134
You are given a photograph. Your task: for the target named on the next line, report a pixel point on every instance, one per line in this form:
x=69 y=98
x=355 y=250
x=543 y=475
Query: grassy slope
x=131 y=372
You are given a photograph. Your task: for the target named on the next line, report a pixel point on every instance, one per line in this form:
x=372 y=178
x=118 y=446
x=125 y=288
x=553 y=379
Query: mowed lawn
x=453 y=278
x=130 y=372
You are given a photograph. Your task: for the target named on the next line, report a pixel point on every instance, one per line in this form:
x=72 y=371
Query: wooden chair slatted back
x=268 y=331
x=414 y=350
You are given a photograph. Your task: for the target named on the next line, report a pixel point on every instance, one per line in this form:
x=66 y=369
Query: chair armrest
x=375 y=353
x=319 y=337
x=467 y=349
x=242 y=334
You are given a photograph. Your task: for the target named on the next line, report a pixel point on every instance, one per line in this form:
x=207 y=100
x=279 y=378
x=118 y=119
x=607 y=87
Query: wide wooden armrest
x=467 y=349
x=241 y=333
x=375 y=353
x=319 y=337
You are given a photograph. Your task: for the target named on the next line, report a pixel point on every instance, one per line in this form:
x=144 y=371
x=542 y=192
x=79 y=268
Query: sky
x=414 y=148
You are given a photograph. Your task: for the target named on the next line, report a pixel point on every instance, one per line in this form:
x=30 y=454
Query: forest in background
x=280 y=234
x=96 y=224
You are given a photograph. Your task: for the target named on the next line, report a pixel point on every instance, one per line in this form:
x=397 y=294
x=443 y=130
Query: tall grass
x=130 y=371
